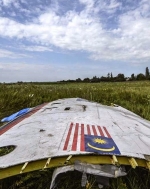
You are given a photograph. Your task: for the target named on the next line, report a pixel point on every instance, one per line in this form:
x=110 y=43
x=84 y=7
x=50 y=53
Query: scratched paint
x=52 y=132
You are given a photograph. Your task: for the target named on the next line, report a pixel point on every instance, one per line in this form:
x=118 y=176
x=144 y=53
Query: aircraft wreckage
x=75 y=134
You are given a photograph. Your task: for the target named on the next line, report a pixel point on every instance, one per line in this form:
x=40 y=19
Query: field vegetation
x=132 y=95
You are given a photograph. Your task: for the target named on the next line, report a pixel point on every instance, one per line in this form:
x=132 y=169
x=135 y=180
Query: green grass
x=6 y=150
x=134 y=96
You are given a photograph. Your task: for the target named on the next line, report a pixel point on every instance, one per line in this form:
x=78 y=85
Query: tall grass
x=134 y=96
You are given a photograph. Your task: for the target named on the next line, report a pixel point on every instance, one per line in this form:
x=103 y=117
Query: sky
x=52 y=40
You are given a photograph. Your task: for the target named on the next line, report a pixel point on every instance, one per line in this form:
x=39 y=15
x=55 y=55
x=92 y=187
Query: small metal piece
x=47 y=163
x=58 y=171
x=148 y=164
x=147 y=157
x=116 y=173
x=99 y=170
x=133 y=162
x=114 y=159
x=84 y=180
x=23 y=168
x=67 y=160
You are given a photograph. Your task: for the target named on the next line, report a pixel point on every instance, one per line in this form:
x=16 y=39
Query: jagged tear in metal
x=60 y=132
x=100 y=171
x=58 y=171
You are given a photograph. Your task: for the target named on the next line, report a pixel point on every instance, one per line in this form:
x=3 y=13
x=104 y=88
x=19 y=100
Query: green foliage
x=140 y=76
x=134 y=96
x=119 y=78
x=131 y=95
x=6 y=150
x=38 y=180
x=147 y=73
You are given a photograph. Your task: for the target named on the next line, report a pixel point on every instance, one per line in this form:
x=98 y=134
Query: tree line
x=109 y=78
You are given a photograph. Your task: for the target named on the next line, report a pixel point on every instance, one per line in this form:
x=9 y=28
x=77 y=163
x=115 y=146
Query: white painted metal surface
x=75 y=126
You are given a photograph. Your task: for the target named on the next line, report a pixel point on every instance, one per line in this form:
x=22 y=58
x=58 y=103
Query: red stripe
x=82 y=145
x=107 y=133
x=100 y=131
x=94 y=130
x=68 y=137
x=74 y=144
x=88 y=130
x=18 y=120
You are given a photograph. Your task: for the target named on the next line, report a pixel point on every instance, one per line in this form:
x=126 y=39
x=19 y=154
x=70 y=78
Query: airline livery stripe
x=19 y=119
x=82 y=146
x=107 y=133
x=100 y=131
x=94 y=130
x=74 y=144
x=75 y=136
x=88 y=130
x=68 y=137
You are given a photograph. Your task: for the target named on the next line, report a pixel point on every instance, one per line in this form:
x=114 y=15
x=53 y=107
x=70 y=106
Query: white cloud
x=7 y=2
x=12 y=72
x=114 y=4
x=89 y=3
x=104 y=5
x=10 y=54
x=5 y=53
x=84 y=31
x=36 y=48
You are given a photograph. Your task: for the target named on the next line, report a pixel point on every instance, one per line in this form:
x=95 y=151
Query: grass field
x=134 y=96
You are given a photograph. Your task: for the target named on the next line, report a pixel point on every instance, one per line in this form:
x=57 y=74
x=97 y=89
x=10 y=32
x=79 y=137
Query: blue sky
x=51 y=40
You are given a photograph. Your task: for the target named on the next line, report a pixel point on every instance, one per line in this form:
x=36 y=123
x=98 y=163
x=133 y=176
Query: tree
x=132 y=77
x=111 y=75
x=147 y=74
x=120 y=77
x=86 y=79
x=103 y=78
x=95 y=79
x=78 y=80
x=140 y=76
x=108 y=75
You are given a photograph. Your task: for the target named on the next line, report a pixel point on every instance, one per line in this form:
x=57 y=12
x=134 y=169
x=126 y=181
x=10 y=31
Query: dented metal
x=60 y=132
x=58 y=171
x=101 y=171
x=111 y=171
